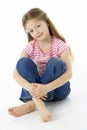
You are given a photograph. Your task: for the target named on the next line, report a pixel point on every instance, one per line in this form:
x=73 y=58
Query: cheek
x=46 y=31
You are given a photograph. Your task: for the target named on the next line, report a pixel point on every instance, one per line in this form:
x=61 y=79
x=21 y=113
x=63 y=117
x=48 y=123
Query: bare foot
x=22 y=109
x=46 y=115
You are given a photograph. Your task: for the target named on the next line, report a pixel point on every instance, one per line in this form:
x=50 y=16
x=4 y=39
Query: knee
x=23 y=63
x=57 y=62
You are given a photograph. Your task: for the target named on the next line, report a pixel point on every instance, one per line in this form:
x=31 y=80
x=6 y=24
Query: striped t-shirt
x=41 y=58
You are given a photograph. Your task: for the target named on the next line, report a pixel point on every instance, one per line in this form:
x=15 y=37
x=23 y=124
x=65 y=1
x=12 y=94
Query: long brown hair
x=37 y=13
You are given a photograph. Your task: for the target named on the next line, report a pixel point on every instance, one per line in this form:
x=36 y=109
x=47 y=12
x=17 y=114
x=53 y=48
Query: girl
x=44 y=69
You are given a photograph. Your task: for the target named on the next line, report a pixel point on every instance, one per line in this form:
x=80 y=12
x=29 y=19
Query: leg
x=54 y=68
x=62 y=92
x=30 y=107
x=45 y=114
x=22 y=109
x=28 y=70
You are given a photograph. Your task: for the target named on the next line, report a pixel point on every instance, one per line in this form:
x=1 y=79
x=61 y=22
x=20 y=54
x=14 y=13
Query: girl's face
x=37 y=29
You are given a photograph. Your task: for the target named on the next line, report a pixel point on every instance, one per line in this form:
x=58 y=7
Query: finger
x=45 y=96
x=42 y=98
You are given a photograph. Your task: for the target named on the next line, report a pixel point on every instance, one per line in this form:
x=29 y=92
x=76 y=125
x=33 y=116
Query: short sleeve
x=29 y=49
x=61 y=48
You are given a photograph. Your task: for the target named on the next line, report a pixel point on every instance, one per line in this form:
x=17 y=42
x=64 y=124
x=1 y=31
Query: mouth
x=39 y=35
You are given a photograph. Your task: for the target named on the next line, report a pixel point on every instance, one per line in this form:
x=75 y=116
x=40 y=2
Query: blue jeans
x=54 y=69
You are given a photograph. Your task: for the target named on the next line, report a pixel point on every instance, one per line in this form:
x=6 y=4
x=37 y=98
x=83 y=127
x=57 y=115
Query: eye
x=31 y=31
x=38 y=25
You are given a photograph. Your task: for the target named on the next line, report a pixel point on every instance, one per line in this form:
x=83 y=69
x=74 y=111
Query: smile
x=39 y=35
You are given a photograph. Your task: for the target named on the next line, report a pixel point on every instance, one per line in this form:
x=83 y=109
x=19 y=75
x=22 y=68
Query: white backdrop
x=70 y=18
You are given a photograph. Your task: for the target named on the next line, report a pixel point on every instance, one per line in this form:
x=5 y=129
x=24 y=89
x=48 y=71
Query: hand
x=38 y=91
x=43 y=97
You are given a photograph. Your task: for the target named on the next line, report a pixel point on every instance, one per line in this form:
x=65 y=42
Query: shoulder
x=30 y=45
x=58 y=42
x=55 y=39
x=59 y=45
x=29 y=48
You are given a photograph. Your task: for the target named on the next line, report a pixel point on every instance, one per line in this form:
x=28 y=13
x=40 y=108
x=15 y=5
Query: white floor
x=69 y=114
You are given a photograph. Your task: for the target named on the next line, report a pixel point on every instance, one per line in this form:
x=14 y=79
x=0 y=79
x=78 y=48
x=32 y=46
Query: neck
x=45 y=45
x=46 y=41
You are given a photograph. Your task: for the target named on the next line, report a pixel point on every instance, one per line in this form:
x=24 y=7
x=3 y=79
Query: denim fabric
x=54 y=68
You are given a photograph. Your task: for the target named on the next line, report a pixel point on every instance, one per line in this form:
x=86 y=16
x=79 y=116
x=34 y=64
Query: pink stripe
x=40 y=58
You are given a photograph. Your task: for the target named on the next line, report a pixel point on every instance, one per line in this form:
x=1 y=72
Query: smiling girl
x=45 y=68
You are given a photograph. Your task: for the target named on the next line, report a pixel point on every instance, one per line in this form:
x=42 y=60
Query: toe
x=11 y=109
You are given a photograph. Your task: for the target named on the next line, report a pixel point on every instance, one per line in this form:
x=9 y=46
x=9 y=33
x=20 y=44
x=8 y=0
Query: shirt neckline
x=48 y=50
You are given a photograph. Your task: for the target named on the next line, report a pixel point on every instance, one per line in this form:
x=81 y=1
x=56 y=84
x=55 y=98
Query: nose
x=36 y=33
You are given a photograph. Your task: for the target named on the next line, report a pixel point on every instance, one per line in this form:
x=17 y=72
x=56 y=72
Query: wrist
x=47 y=88
x=28 y=86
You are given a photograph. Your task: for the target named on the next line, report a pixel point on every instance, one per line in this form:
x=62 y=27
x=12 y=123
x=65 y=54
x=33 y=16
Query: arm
x=64 y=77
x=45 y=88
x=19 y=79
x=23 y=82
